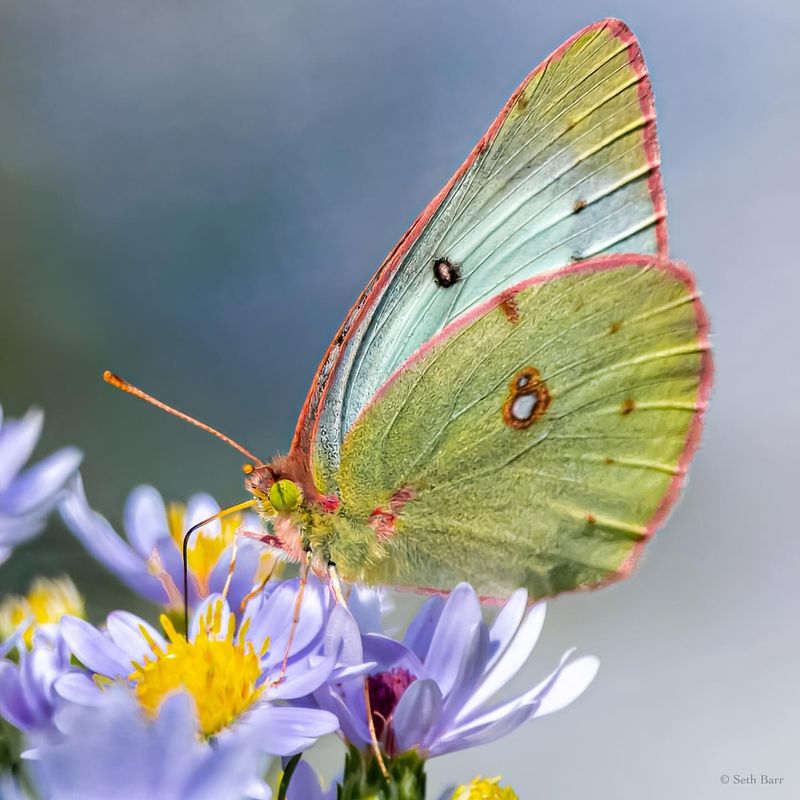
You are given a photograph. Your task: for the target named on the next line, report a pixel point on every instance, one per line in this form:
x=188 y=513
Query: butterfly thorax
x=301 y=518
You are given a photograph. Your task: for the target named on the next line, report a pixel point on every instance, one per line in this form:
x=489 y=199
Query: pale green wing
x=569 y=170
x=536 y=442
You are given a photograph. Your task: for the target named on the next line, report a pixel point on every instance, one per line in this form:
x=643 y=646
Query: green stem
x=363 y=779
x=287 y=775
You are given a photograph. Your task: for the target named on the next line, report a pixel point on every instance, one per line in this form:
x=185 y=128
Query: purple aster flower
x=112 y=749
x=233 y=673
x=28 y=699
x=27 y=497
x=431 y=694
x=29 y=626
x=150 y=561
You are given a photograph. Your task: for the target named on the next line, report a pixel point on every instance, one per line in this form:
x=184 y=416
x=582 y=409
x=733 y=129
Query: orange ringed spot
x=591 y=519
x=579 y=206
x=527 y=400
x=615 y=326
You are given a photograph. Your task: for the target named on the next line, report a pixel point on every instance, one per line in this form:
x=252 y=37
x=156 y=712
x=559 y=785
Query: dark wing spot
x=610 y=461
x=615 y=326
x=627 y=406
x=579 y=206
x=591 y=519
x=445 y=272
x=510 y=308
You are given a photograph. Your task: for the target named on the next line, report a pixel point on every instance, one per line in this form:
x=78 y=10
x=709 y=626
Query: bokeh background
x=193 y=193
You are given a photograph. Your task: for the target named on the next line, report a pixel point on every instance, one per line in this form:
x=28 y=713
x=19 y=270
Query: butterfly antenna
x=123 y=385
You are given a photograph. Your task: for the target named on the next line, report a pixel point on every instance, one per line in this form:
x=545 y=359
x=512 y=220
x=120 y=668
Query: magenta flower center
x=385 y=691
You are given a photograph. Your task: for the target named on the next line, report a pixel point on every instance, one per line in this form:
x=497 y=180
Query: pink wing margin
x=305 y=432
x=706 y=376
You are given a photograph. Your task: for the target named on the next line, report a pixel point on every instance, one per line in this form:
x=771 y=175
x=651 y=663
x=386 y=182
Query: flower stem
x=363 y=779
x=287 y=775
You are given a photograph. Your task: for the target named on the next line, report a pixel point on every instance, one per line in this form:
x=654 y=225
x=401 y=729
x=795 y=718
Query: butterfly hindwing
x=537 y=441
x=568 y=171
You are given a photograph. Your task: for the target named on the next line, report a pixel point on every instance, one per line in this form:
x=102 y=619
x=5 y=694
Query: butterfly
x=515 y=396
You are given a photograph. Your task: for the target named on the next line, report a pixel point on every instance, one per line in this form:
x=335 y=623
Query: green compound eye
x=284 y=495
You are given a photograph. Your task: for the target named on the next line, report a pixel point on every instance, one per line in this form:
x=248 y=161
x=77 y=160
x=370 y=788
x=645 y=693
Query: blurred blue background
x=193 y=193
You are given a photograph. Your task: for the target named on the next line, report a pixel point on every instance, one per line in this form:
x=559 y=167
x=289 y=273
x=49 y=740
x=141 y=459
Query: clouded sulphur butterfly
x=514 y=398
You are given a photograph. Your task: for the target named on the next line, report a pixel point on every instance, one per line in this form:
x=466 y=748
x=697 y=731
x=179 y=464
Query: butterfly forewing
x=537 y=441
x=569 y=170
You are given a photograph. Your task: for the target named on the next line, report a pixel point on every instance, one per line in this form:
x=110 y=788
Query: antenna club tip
x=113 y=379
x=248 y=469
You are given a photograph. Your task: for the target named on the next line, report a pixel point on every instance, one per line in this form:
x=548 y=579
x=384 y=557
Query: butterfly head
x=274 y=492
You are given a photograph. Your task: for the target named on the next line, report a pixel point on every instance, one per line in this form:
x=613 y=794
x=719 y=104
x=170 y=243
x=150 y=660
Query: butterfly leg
x=376 y=748
x=232 y=566
x=262 y=584
x=336 y=585
x=298 y=603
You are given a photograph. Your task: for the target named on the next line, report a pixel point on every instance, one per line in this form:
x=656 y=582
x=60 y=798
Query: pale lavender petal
x=15 y=530
x=501 y=710
x=93 y=649
x=199 y=507
x=145 y=519
x=388 y=653
x=226 y=772
x=365 y=606
x=417 y=713
x=348 y=706
x=305 y=784
x=18 y=439
x=570 y=684
x=470 y=670
x=509 y=662
x=486 y=734
x=302 y=679
x=420 y=631
x=103 y=543
x=506 y=623
x=78 y=687
x=40 y=483
x=355 y=671
x=342 y=638
x=284 y=731
x=272 y=615
x=12 y=704
x=463 y=609
x=124 y=629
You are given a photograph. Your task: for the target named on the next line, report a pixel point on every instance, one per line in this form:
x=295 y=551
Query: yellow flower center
x=219 y=672
x=207 y=545
x=484 y=789
x=47 y=601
